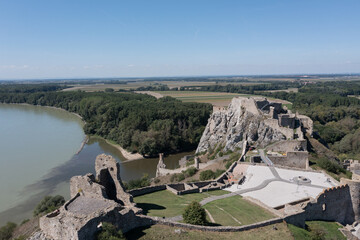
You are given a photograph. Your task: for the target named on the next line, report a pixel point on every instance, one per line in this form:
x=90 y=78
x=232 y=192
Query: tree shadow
x=136 y=233
x=210 y=224
x=149 y=206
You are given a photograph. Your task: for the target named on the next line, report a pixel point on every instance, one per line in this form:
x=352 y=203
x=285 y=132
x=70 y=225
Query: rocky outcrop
x=94 y=200
x=244 y=120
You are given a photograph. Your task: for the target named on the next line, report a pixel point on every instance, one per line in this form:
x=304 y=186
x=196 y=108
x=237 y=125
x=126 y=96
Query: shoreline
x=126 y=154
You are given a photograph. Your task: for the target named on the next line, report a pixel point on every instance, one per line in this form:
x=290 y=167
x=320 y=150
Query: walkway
x=258 y=187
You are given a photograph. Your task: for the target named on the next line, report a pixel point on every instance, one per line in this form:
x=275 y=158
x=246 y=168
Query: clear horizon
x=136 y=39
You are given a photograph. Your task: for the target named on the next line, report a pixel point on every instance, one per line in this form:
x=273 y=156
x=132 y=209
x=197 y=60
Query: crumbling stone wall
x=288 y=145
x=298 y=159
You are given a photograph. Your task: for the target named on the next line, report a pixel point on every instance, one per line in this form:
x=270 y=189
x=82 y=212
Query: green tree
x=194 y=213
x=7 y=230
x=49 y=204
x=109 y=232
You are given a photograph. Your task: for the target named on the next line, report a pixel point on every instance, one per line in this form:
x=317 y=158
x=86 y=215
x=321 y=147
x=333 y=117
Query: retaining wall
x=156 y=220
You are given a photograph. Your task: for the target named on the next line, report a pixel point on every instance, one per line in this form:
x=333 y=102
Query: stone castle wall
x=298 y=159
x=333 y=204
x=354 y=188
x=288 y=145
x=274 y=123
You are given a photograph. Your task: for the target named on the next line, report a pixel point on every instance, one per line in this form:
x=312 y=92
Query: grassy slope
x=166 y=204
x=329 y=230
x=225 y=210
x=166 y=232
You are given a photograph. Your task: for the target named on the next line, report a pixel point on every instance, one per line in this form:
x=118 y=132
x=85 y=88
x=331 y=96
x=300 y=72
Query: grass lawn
x=166 y=204
x=235 y=211
x=166 y=232
x=329 y=230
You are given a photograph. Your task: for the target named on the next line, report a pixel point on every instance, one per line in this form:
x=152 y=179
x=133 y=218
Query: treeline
x=29 y=88
x=138 y=122
x=244 y=89
x=336 y=116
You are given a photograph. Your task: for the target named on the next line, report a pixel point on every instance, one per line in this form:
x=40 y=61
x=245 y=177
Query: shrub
x=109 y=232
x=156 y=180
x=144 y=181
x=194 y=213
x=190 y=172
x=178 y=177
x=330 y=166
x=219 y=172
x=206 y=175
x=49 y=204
x=7 y=230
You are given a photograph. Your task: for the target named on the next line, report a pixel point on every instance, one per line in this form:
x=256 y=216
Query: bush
x=330 y=166
x=219 y=172
x=144 y=181
x=190 y=172
x=109 y=232
x=7 y=230
x=178 y=177
x=206 y=175
x=194 y=213
x=49 y=204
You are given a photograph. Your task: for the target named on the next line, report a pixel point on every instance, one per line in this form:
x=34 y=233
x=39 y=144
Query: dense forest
x=138 y=122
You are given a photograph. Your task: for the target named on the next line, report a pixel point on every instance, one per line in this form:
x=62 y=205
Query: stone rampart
x=333 y=204
x=157 y=220
x=354 y=188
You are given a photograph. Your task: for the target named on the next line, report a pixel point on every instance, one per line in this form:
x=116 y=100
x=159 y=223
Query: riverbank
x=126 y=154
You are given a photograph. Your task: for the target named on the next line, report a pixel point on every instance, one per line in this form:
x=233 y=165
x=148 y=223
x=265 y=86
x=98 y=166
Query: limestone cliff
x=255 y=119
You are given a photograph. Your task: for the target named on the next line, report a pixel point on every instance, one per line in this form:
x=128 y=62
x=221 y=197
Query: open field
x=166 y=204
x=236 y=211
x=214 y=98
x=277 y=231
x=133 y=85
x=329 y=230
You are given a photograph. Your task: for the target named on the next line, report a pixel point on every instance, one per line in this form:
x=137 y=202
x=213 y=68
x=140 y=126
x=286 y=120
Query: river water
x=38 y=157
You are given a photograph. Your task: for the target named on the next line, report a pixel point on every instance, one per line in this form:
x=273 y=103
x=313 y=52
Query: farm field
x=134 y=85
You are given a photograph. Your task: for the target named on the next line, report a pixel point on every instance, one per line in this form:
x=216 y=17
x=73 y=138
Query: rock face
x=245 y=119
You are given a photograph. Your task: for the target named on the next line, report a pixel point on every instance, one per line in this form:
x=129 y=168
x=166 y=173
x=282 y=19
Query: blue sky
x=88 y=38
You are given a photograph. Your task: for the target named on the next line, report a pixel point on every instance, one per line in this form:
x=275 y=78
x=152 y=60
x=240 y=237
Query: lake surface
x=38 y=148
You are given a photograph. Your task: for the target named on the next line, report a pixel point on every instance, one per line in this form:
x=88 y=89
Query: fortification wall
x=299 y=159
x=157 y=220
x=288 y=145
x=354 y=188
x=287 y=120
x=333 y=204
x=274 y=123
